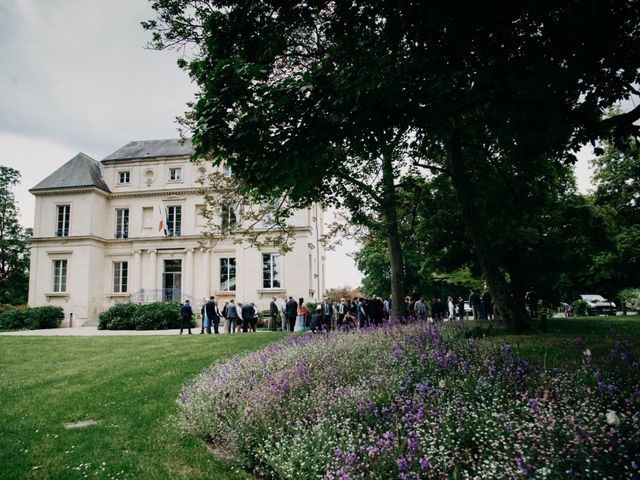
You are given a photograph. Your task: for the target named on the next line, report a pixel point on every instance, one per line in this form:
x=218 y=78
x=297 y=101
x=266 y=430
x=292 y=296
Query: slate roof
x=80 y=171
x=173 y=147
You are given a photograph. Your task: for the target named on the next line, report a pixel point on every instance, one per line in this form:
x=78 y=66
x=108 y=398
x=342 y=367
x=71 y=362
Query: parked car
x=598 y=305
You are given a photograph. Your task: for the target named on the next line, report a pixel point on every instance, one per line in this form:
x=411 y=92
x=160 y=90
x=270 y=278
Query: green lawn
x=128 y=384
x=567 y=338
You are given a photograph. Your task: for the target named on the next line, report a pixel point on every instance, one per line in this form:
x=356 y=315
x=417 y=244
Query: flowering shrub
x=414 y=402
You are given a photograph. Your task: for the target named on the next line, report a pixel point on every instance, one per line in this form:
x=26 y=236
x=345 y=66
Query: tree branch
x=362 y=185
x=621 y=120
x=433 y=168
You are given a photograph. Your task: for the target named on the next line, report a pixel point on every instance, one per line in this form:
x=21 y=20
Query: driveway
x=91 y=332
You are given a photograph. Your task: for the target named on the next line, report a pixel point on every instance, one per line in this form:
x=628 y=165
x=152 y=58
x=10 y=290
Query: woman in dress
x=452 y=308
x=301 y=316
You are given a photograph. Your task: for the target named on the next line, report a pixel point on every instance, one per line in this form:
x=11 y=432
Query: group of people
x=481 y=307
x=289 y=314
x=295 y=316
x=240 y=317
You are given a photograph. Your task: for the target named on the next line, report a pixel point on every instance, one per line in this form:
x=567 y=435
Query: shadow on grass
x=566 y=340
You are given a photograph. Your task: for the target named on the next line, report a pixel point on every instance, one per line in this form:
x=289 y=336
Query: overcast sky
x=76 y=77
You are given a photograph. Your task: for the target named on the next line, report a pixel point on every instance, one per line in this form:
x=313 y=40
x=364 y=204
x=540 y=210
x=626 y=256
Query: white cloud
x=79 y=74
x=35 y=159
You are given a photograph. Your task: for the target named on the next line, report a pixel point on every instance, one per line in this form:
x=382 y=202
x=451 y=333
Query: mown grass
x=567 y=339
x=129 y=385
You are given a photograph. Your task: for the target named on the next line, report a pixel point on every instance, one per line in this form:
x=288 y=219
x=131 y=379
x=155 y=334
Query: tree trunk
x=390 y=220
x=509 y=306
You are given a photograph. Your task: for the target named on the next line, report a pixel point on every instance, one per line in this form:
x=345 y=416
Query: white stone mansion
x=97 y=238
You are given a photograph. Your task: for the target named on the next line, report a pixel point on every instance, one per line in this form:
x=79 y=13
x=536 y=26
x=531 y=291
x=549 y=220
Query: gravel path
x=92 y=332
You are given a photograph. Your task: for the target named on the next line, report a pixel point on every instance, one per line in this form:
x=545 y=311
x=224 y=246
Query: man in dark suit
x=187 y=314
x=327 y=313
x=292 y=310
x=247 y=315
x=531 y=298
x=375 y=310
x=213 y=312
x=273 y=311
x=343 y=309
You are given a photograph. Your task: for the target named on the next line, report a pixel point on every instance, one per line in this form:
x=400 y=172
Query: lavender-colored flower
x=403 y=464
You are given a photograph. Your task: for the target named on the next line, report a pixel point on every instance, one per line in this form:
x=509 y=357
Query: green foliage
x=14 y=243
x=631 y=296
x=158 y=316
x=580 y=308
x=118 y=317
x=149 y=316
x=618 y=196
x=313 y=99
x=31 y=318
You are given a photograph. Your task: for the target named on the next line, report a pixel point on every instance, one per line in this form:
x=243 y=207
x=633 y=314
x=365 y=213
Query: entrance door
x=172 y=280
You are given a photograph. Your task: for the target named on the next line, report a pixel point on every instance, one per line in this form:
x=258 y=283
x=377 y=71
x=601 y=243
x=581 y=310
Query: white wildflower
x=613 y=419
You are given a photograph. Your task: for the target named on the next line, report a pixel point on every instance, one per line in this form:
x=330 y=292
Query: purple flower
x=424 y=463
x=403 y=464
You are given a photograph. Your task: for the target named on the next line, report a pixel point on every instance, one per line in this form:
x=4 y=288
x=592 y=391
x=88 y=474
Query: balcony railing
x=149 y=295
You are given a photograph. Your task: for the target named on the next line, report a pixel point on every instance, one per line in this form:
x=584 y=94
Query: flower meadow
x=417 y=401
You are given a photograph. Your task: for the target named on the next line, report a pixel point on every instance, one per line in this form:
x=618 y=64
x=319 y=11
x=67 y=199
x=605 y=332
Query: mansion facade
x=131 y=228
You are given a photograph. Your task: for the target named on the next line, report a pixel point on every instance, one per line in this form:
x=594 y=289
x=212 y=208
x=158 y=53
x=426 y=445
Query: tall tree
x=617 y=174
x=305 y=93
x=14 y=243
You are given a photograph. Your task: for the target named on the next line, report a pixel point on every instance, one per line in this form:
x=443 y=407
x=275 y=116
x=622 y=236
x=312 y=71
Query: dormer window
x=175 y=174
x=124 y=177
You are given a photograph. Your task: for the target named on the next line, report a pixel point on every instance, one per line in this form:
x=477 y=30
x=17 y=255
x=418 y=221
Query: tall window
x=271 y=270
x=122 y=223
x=270 y=217
x=228 y=216
x=64 y=211
x=174 y=220
x=59 y=276
x=120 y=276
x=228 y=274
x=175 y=174
x=124 y=176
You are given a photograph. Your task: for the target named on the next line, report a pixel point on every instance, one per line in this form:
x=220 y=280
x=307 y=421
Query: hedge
x=149 y=316
x=31 y=318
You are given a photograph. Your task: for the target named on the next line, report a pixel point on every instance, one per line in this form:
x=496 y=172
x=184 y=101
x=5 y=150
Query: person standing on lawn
x=246 y=313
x=291 y=312
x=474 y=303
x=301 y=318
x=187 y=315
x=206 y=322
x=232 y=315
x=487 y=303
x=461 y=312
x=532 y=298
x=213 y=314
x=273 y=312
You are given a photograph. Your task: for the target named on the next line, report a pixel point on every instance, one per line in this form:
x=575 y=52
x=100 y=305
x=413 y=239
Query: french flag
x=162 y=225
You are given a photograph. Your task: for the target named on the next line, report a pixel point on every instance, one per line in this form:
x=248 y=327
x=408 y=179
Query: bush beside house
x=134 y=316
x=14 y=318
